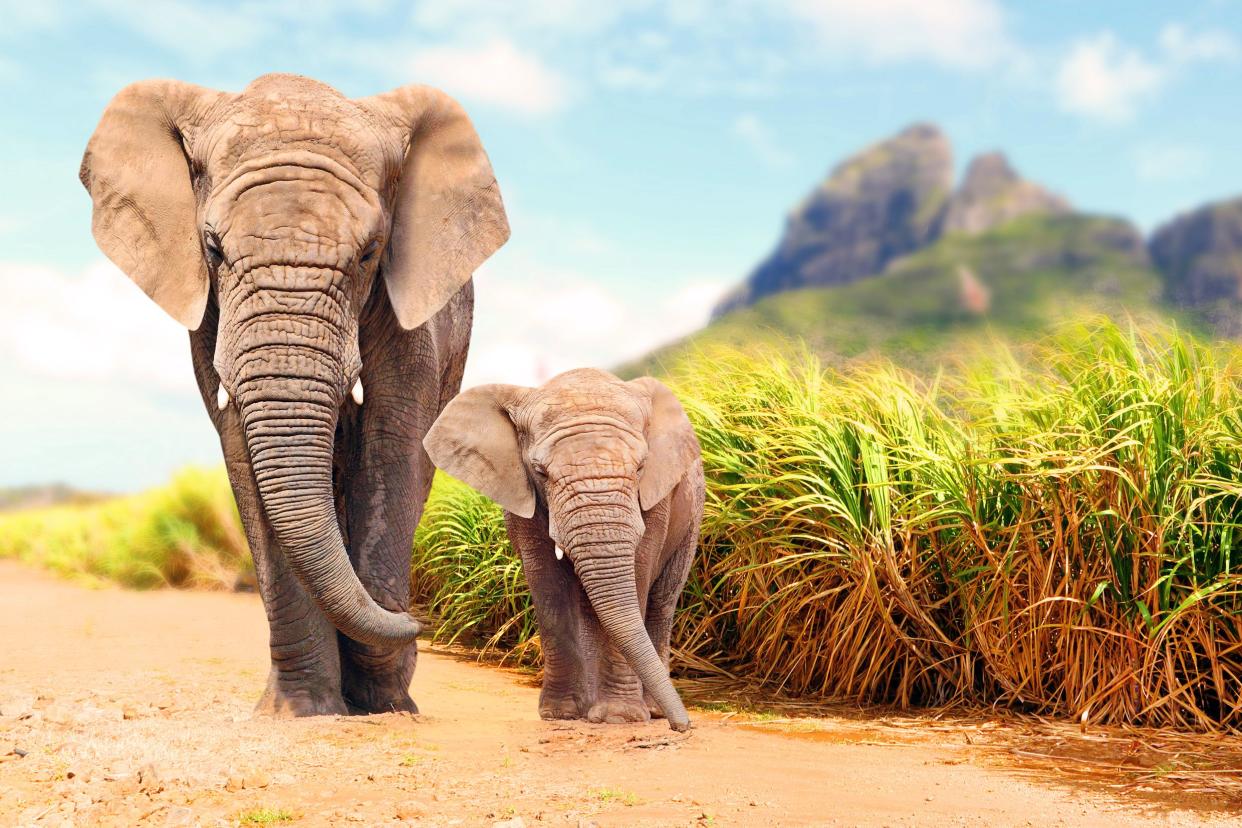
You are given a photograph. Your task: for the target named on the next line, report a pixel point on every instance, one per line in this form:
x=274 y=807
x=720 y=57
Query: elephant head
x=285 y=203
x=595 y=453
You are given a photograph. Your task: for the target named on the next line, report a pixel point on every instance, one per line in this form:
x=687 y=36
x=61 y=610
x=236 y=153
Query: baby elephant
x=602 y=486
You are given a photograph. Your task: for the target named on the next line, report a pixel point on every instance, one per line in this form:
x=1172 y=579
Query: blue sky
x=647 y=153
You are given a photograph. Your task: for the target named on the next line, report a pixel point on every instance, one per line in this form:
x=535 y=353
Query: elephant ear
x=448 y=216
x=475 y=441
x=144 y=217
x=672 y=447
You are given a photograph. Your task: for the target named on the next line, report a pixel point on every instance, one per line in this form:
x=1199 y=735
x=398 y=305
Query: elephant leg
x=662 y=603
x=408 y=378
x=304 y=678
x=619 y=694
x=305 y=674
x=558 y=599
x=383 y=507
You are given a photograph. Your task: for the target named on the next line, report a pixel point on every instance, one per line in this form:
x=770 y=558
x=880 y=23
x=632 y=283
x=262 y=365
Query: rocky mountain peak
x=1200 y=256
x=879 y=204
x=992 y=193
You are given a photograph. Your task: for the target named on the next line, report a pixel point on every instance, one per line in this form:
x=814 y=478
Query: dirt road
x=134 y=708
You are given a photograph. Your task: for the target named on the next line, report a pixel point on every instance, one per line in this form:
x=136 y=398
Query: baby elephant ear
x=474 y=440
x=672 y=447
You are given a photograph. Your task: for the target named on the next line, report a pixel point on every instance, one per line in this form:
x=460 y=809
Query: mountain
x=1200 y=257
x=992 y=194
x=38 y=496
x=1018 y=280
x=891 y=199
x=887 y=257
x=881 y=203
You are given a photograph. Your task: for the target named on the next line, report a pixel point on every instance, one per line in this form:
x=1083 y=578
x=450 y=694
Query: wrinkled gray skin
x=610 y=472
x=311 y=243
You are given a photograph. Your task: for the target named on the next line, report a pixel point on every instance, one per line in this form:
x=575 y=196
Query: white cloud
x=531 y=325
x=1184 y=46
x=1104 y=79
x=496 y=72
x=92 y=326
x=964 y=34
x=1169 y=162
x=99 y=380
x=755 y=134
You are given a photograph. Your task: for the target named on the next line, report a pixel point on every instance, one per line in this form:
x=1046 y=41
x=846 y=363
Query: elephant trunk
x=289 y=394
x=605 y=566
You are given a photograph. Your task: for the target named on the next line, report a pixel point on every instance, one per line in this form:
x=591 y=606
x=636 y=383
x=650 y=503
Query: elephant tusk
x=222 y=398
x=560 y=553
x=356 y=391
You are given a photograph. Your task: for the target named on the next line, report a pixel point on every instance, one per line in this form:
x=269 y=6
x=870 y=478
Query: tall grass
x=187 y=533
x=1056 y=532
x=466 y=576
x=1058 y=539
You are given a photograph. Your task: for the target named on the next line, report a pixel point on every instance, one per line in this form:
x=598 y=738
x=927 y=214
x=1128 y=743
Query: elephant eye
x=211 y=243
x=368 y=254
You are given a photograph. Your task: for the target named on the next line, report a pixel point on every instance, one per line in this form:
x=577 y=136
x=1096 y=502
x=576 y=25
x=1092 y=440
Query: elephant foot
x=559 y=707
x=653 y=707
x=618 y=711
x=372 y=699
x=377 y=680
x=378 y=694
x=288 y=704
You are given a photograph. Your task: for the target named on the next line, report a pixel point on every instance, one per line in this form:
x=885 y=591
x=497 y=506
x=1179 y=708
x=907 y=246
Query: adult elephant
x=320 y=250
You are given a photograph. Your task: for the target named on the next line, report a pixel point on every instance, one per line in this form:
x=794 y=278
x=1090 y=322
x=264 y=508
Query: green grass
x=467 y=577
x=265 y=816
x=187 y=533
x=610 y=795
x=1053 y=529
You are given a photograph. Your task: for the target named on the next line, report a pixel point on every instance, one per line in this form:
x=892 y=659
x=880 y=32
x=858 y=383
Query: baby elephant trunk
x=609 y=584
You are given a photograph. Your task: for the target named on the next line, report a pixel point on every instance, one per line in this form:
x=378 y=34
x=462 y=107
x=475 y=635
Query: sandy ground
x=134 y=708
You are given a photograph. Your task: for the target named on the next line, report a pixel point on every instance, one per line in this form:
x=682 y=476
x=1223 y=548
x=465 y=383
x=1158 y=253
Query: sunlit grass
x=187 y=533
x=467 y=577
x=1057 y=539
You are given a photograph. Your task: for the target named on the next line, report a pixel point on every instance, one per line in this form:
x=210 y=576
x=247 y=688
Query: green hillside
x=1036 y=271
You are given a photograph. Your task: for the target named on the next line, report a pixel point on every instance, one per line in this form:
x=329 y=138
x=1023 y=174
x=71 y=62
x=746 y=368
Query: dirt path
x=134 y=708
